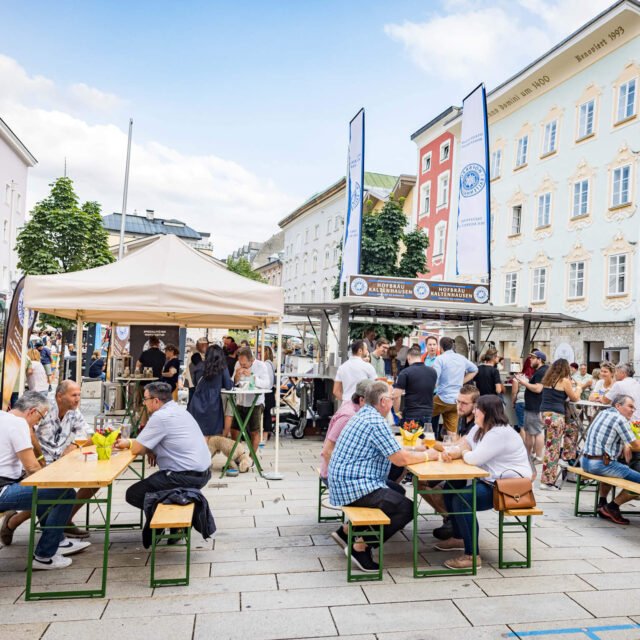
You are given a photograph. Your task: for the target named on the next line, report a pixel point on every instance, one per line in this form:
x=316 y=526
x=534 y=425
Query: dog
x=241 y=459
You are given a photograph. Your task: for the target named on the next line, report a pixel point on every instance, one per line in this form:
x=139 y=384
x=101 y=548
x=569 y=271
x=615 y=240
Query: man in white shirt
x=352 y=371
x=625 y=385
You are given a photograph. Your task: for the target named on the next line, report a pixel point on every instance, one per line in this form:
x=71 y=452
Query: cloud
x=472 y=41
x=209 y=193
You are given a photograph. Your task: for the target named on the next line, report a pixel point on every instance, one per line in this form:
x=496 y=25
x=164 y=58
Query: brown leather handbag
x=513 y=493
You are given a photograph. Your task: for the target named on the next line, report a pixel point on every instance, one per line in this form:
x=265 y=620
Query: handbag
x=513 y=493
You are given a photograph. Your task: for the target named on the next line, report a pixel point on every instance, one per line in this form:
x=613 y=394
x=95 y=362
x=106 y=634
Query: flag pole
x=124 y=195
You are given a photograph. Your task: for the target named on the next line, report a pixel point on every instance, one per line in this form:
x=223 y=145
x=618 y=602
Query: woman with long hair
x=607 y=369
x=561 y=437
x=269 y=398
x=206 y=404
x=493 y=445
x=36 y=374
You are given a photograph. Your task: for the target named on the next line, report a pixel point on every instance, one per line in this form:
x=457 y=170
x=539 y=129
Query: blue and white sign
x=474 y=215
x=353 y=220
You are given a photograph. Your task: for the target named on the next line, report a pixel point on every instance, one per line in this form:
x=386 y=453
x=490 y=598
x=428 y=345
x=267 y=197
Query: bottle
x=252 y=381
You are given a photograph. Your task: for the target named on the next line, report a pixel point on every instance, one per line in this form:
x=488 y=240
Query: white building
x=312 y=237
x=565 y=147
x=15 y=161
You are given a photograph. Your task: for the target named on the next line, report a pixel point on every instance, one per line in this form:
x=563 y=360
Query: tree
x=61 y=237
x=242 y=267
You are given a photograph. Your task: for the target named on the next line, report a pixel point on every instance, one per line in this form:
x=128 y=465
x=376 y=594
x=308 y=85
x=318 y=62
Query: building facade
x=564 y=179
x=271 y=271
x=15 y=162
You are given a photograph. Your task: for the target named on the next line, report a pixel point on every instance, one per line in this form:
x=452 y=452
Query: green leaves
x=242 y=267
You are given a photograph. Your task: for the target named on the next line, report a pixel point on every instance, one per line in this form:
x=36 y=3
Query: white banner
x=355 y=187
x=474 y=215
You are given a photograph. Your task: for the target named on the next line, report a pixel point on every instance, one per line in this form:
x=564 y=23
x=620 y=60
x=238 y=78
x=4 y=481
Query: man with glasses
x=173 y=440
x=17 y=457
x=359 y=469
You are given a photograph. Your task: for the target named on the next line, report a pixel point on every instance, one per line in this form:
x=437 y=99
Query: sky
x=241 y=108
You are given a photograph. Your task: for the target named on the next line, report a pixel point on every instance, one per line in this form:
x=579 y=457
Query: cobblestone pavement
x=273 y=572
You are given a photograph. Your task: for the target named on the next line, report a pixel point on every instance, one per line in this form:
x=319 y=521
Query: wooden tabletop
x=242 y=392
x=73 y=471
x=136 y=379
x=455 y=470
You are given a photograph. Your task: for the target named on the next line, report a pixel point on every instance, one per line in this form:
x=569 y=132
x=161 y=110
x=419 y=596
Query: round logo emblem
x=359 y=286
x=481 y=295
x=122 y=332
x=21 y=311
x=472 y=180
x=355 y=195
x=421 y=290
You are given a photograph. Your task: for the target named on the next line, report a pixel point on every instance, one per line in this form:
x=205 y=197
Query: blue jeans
x=18 y=498
x=520 y=413
x=614 y=469
x=463 y=524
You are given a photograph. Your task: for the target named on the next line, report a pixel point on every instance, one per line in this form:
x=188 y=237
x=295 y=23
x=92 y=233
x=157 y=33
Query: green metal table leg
x=528 y=542
x=416 y=497
x=32 y=535
x=500 y=538
x=242 y=436
x=474 y=533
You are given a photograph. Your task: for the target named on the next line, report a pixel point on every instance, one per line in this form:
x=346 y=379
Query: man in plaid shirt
x=608 y=438
x=359 y=468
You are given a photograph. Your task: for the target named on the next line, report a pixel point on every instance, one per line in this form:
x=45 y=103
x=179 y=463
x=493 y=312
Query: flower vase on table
x=410 y=433
x=104 y=440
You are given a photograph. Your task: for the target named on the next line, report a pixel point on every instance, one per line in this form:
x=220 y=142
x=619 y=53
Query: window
x=425 y=199
x=550 y=136
x=626 y=100
x=338 y=222
x=580 y=199
x=426 y=162
x=18 y=198
x=314 y=262
x=620 y=195
x=7 y=194
x=316 y=232
x=335 y=254
x=295 y=269
x=618 y=274
x=306 y=236
x=544 y=210
x=576 y=280
x=516 y=220
x=305 y=264
x=539 y=284
x=510 y=288
x=444 y=151
x=586 y=119
x=440 y=236
x=5 y=230
x=443 y=189
x=298 y=243
x=496 y=164
x=327 y=257
x=521 y=154
x=329 y=225
x=303 y=294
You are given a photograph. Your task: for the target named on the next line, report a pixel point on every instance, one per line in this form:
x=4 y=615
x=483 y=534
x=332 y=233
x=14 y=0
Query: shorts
x=532 y=423
x=226 y=406
x=255 y=422
x=47 y=368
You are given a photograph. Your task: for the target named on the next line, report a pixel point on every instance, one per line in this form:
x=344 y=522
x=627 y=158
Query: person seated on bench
x=609 y=437
x=359 y=467
x=492 y=445
x=173 y=439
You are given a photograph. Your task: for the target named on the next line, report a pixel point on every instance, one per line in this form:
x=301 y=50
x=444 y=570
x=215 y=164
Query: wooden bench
x=521 y=520
x=374 y=520
x=171 y=516
x=323 y=491
x=585 y=479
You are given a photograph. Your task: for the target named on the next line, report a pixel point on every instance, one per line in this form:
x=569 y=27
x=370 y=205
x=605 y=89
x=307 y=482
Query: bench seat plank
x=534 y=511
x=363 y=516
x=172 y=516
x=627 y=485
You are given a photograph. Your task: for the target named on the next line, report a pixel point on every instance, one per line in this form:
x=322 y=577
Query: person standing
x=488 y=377
x=369 y=336
x=417 y=383
x=453 y=370
x=584 y=381
x=37 y=379
x=230 y=349
x=431 y=351
x=401 y=350
x=352 y=371
x=96 y=370
x=152 y=357
x=171 y=368
x=196 y=364
x=45 y=359
x=269 y=398
x=378 y=356
x=206 y=404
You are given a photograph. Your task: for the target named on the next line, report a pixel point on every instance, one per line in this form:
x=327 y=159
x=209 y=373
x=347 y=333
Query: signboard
x=417 y=289
x=139 y=338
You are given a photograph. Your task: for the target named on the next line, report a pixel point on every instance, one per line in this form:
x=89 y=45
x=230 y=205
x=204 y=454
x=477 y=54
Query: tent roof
x=167 y=282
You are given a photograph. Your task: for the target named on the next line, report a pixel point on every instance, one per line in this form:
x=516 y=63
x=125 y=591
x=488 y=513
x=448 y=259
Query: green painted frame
x=502 y=531
x=155 y=539
x=375 y=535
x=323 y=490
x=243 y=435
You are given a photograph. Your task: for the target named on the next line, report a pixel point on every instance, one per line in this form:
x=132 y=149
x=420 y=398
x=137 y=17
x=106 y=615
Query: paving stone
x=380 y=618
x=494 y=632
x=583 y=623
x=280 y=553
x=29 y=631
x=338 y=560
x=257 y=567
x=301 y=598
x=604 y=581
x=265 y=625
x=158 y=628
x=136 y=574
x=51 y=611
x=549 y=568
x=428 y=589
x=173 y=605
x=577 y=551
x=230 y=584
x=263 y=543
x=315 y=580
x=613 y=565
x=530 y=584
x=513 y=609
x=405 y=574
x=614 y=602
x=10 y=594
x=43 y=578
x=205 y=555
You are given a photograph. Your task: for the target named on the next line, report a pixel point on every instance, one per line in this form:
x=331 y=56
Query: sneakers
x=68 y=547
x=611 y=512
x=6 y=534
x=548 y=487
x=363 y=560
x=563 y=464
x=452 y=544
x=445 y=531
x=463 y=562
x=340 y=537
x=75 y=532
x=47 y=564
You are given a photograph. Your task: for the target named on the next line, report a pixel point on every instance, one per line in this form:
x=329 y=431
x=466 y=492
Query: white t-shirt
x=501 y=452
x=627 y=387
x=14 y=437
x=38 y=380
x=262 y=379
x=351 y=372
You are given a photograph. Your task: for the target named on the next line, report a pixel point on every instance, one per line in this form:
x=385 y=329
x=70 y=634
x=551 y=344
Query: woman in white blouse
x=493 y=445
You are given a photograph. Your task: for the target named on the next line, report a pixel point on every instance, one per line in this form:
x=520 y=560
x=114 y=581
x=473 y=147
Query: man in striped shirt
x=609 y=437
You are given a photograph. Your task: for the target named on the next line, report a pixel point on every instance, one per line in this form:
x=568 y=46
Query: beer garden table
x=75 y=471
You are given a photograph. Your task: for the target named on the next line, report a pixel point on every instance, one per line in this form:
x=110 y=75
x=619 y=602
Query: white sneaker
x=47 y=564
x=69 y=546
x=563 y=464
x=548 y=487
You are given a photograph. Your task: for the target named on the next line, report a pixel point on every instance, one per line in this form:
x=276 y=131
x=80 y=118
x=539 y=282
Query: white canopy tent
x=167 y=282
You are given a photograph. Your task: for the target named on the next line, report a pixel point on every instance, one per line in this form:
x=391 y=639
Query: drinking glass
x=449 y=442
x=81 y=439
x=429 y=437
x=125 y=431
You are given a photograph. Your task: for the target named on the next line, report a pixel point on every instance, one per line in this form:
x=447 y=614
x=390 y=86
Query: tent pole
x=260 y=350
x=79 y=350
x=23 y=353
x=275 y=474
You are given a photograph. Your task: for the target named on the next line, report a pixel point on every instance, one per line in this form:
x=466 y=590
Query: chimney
x=149 y=214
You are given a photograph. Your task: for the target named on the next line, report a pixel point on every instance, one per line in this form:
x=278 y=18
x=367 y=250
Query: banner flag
x=355 y=187
x=12 y=343
x=474 y=215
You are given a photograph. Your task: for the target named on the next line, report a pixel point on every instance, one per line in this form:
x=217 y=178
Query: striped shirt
x=55 y=435
x=608 y=433
x=360 y=462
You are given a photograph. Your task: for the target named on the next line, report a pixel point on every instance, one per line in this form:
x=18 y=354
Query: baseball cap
x=541 y=355
x=362 y=386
